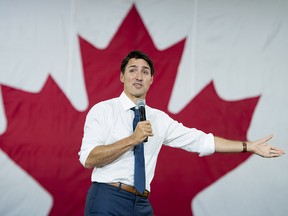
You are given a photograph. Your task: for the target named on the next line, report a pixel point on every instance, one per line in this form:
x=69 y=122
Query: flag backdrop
x=221 y=66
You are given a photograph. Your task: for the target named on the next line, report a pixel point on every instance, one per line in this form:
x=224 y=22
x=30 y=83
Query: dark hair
x=137 y=55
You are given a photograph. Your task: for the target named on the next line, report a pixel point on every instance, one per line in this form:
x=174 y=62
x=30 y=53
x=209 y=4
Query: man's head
x=137 y=72
x=137 y=55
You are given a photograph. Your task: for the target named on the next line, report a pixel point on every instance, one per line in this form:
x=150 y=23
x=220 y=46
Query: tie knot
x=135 y=111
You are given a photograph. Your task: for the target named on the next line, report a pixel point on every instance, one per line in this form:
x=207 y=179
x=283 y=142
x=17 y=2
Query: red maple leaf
x=181 y=175
x=44 y=131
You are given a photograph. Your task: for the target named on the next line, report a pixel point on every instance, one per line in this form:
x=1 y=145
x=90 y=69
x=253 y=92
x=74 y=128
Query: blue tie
x=139 y=168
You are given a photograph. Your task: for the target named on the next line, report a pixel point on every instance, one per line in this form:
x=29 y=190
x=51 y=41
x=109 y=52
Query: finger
x=265 y=139
x=277 y=149
x=148 y=122
x=275 y=152
x=149 y=132
x=144 y=123
x=268 y=138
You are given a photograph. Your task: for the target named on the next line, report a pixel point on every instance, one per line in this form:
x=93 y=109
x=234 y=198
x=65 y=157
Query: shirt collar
x=126 y=102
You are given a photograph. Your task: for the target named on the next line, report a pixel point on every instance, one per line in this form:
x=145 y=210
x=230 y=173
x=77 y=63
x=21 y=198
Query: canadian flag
x=221 y=66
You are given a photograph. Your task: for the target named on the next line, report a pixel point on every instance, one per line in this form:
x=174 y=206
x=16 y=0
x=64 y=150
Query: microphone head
x=141 y=103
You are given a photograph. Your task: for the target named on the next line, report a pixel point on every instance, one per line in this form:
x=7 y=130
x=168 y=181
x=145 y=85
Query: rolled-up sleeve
x=189 y=139
x=208 y=145
x=93 y=133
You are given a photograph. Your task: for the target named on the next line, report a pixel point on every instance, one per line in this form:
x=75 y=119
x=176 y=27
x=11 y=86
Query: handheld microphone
x=142 y=115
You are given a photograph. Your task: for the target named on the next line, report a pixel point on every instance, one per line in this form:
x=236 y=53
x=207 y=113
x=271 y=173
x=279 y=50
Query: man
x=110 y=144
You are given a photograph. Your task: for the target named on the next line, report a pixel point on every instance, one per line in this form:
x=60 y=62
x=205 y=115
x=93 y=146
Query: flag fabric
x=220 y=67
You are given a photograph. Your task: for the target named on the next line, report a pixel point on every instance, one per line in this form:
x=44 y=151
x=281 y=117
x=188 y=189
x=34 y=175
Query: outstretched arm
x=259 y=147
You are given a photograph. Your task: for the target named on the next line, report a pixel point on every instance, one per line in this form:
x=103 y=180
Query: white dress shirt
x=112 y=120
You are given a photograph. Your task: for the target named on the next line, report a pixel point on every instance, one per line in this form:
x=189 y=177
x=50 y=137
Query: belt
x=130 y=189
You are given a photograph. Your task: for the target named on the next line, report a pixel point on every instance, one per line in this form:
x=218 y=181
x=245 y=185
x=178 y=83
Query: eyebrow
x=135 y=66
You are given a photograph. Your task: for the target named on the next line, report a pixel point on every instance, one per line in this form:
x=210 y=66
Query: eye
x=146 y=72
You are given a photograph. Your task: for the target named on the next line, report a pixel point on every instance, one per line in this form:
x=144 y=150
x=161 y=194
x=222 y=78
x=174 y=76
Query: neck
x=134 y=98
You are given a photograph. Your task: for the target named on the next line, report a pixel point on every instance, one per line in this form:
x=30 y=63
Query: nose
x=139 y=75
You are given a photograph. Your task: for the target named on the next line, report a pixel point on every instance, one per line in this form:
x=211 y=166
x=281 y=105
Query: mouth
x=137 y=85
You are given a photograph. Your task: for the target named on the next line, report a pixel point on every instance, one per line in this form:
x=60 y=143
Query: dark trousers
x=104 y=199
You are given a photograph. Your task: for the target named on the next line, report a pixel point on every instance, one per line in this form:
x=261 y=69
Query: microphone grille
x=141 y=103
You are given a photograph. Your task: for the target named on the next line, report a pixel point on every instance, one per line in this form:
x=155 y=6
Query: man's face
x=137 y=79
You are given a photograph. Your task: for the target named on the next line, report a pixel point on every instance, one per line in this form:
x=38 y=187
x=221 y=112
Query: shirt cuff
x=84 y=155
x=208 y=146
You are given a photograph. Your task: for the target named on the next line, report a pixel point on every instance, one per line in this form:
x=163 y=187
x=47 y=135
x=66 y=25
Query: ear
x=151 y=80
x=121 y=77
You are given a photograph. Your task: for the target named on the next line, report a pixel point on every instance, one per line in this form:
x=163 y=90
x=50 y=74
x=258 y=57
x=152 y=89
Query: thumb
x=265 y=139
